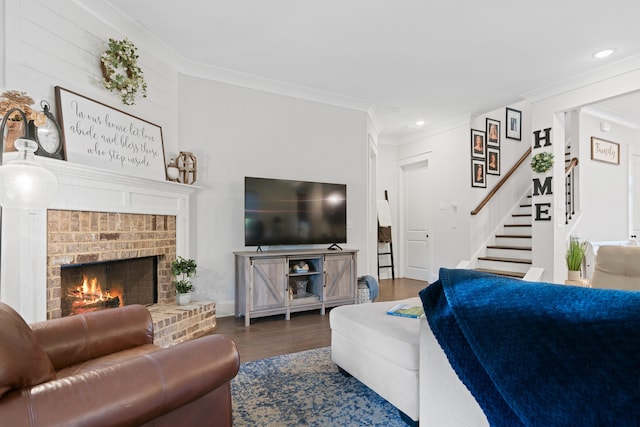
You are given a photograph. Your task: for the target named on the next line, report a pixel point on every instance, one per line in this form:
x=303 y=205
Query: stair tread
x=515 y=248
x=502 y=272
x=502 y=259
x=515 y=236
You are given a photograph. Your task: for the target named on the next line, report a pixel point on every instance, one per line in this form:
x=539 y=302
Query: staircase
x=510 y=255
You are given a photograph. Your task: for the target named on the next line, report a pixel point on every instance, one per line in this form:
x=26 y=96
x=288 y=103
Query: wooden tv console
x=277 y=282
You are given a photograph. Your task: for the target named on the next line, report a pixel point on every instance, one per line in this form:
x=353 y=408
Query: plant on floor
x=575 y=253
x=183 y=269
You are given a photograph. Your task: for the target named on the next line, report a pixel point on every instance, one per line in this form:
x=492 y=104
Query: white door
x=417 y=259
x=635 y=197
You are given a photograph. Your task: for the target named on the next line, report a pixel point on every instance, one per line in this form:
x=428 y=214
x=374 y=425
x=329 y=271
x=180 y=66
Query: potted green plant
x=575 y=256
x=183 y=270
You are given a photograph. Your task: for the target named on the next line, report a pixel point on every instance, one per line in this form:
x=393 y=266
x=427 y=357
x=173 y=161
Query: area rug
x=305 y=389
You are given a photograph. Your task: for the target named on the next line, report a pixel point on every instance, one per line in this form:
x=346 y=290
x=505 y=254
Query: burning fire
x=89 y=296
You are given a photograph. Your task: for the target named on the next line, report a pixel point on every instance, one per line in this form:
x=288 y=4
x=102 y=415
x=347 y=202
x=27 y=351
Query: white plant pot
x=183 y=299
x=573 y=275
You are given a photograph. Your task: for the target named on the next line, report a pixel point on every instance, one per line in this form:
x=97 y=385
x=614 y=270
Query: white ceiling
x=431 y=60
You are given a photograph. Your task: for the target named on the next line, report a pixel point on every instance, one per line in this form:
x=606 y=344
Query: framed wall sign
x=605 y=151
x=101 y=136
x=513 y=123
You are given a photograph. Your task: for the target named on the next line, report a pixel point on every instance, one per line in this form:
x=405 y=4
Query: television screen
x=284 y=212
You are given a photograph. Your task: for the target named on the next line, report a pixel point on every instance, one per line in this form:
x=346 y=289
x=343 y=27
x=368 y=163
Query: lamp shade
x=24 y=183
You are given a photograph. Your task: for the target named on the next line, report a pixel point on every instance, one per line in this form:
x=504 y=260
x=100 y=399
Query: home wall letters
x=542 y=209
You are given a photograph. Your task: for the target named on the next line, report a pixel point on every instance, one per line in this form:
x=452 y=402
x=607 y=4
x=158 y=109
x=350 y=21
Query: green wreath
x=121 y=71
x=542 y=162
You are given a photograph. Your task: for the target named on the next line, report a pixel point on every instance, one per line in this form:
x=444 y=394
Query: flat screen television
x=286 y=212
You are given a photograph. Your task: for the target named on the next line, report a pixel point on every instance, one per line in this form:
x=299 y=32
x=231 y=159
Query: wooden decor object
x=188 y=167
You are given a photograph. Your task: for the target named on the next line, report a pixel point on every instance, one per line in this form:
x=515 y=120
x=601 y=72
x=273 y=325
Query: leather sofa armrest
x=130 y=393
x=75 y=339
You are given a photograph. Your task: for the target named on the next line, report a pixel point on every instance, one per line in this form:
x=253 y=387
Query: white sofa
x=400 y=359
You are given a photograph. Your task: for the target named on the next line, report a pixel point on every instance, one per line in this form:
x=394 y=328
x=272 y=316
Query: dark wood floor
x=272 y=336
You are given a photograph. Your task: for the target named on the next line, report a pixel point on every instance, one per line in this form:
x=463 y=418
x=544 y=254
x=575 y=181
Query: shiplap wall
x=58 y=43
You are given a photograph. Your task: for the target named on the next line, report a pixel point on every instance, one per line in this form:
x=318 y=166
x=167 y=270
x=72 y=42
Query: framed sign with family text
x=104 y=137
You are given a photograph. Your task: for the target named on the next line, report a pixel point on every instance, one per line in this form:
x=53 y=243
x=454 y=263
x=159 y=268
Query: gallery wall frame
x=478 y=144
x=493 y=161
x=513 y=124
x=605 y=151
x=478 y=173
x=493 y=133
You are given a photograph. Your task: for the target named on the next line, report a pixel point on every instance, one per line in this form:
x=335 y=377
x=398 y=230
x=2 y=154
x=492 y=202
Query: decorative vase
x=183 y=299
x=172 y=171
x=301 y=288
x=14 y=130
x=574 y=275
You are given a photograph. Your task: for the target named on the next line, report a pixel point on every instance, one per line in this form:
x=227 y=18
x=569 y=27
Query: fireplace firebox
x=101 y=285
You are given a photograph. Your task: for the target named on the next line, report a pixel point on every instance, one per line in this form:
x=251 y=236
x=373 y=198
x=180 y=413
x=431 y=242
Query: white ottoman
x=381 y=351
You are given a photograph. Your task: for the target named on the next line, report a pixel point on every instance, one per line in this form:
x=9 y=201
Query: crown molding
x=603 y=73
x=250 y=81
x=430 y=131
x=604 y=114
x=112 y=16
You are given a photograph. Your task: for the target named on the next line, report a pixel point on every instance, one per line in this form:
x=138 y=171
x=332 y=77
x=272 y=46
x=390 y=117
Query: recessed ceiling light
x=603 y=53
x=420 y=123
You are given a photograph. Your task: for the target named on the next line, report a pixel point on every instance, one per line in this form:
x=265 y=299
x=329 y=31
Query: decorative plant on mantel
x=121 y=71
x=183 y=270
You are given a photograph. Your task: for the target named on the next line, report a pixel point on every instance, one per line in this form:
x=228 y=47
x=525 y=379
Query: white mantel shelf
x=23 y=272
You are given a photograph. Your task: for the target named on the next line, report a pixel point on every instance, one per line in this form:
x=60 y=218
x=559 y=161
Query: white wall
x=454 y=234
x=388 y=180
x=237 y=132
x=604 y=195
x=484 y=225
x=550 y=237
x=234 y=131
x=52 y=44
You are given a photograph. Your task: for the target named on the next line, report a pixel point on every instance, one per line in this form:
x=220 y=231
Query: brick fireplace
x=98 y=216
x=80 y=237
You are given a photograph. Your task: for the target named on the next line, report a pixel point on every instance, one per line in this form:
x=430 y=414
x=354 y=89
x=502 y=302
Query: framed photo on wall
x=514 y=124
x=478 y=173
x=493 y=133
x=493 y=161
x=478 y=144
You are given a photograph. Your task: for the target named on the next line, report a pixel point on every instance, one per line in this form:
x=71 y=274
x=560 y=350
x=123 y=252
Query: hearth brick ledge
x=173 y=324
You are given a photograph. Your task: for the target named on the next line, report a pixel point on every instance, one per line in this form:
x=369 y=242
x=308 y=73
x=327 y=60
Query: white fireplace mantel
x=23 y=256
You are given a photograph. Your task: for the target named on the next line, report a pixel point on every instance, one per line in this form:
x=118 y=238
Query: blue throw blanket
x=539 y=354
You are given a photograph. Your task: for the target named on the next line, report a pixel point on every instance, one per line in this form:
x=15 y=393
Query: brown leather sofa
x=102 y=369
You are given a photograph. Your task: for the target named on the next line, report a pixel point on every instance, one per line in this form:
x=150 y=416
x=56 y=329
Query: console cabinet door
x=340 y=281
x=269 y=283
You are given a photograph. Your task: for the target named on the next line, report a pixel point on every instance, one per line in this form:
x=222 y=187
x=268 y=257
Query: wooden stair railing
x=501 y=182
x=570 y=190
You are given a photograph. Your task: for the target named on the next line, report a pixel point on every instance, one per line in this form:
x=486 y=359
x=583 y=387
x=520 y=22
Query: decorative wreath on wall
x=121 y=71
x=542 y=162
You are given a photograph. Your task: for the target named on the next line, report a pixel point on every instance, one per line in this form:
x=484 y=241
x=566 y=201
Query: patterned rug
x=305 y=389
